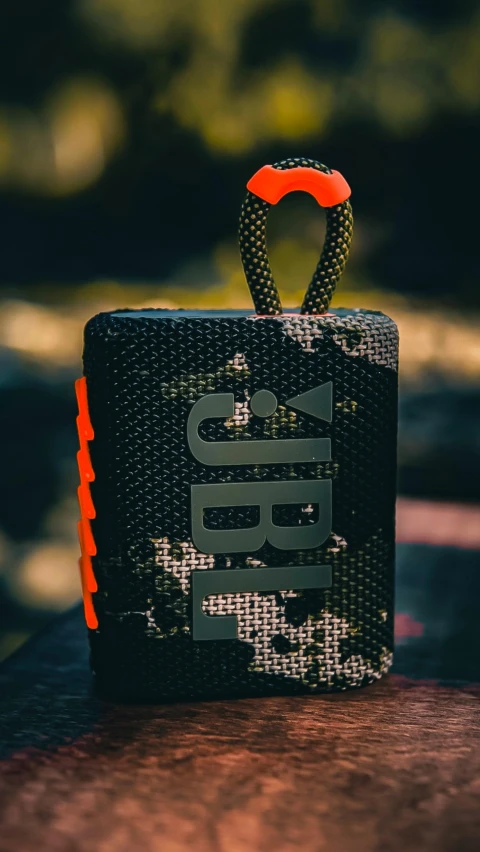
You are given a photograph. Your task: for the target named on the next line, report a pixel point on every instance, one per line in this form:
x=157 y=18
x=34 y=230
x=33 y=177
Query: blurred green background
x=128 y=129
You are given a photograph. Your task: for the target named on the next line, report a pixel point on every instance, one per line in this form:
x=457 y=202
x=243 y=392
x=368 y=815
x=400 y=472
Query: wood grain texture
x=393 y=767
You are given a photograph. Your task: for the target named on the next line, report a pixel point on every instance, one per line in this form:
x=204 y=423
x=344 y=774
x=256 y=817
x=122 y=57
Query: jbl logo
x=264 y=495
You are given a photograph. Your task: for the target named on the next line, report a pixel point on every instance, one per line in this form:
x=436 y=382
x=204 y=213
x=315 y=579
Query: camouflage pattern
x=144 y=372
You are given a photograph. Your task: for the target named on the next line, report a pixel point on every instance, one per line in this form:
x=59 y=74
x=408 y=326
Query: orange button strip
x=87 y=509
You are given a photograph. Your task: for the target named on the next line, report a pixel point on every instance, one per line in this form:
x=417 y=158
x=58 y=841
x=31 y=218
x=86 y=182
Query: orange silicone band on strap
x=272 y=184
x=87 y=509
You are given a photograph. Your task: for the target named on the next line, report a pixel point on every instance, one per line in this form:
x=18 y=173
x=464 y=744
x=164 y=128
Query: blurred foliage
x=128 y=129
x=259 y=70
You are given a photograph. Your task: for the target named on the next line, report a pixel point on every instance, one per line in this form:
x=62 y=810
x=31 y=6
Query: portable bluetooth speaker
x=238 y=482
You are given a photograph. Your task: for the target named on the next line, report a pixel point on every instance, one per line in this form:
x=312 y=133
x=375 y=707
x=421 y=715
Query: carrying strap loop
x=267 y=187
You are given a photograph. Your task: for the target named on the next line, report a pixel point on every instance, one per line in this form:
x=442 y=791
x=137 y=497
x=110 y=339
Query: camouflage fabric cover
x=144 y=372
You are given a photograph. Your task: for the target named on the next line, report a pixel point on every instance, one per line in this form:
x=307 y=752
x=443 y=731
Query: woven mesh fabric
x=252 y=235
x=144 y=372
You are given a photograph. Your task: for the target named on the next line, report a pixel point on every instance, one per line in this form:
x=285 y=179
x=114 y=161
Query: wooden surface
x=392 y=767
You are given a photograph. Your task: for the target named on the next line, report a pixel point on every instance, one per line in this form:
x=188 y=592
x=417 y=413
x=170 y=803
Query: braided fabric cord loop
x=253 y=250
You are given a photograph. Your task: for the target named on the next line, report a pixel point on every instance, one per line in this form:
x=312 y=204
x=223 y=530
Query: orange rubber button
x=88 y=608
x=85 y=465
x=84 y=429
x=86 y=536
x=84 y=425
x=88 y=577
x=272 y=184
x=87 y=509
x=88 y=574
x=86 y=561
